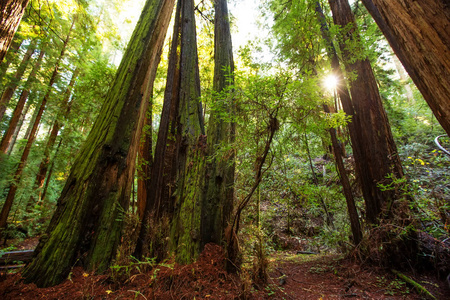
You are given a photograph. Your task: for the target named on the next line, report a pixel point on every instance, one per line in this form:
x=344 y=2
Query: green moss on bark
x=86 y=226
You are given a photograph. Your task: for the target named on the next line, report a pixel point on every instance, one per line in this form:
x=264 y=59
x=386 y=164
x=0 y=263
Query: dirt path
x=331 y=277
x=292 y=276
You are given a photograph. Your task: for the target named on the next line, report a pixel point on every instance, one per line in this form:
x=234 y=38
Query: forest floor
x=291 y=276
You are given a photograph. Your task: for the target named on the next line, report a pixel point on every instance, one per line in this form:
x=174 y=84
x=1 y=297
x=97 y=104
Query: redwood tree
x=11 y=12
x=375 y=151
x=344 y=96
x=34 y=128
x=9 y=91
x=86 y=226
x=219 y=176
x=190 y=145
x=14 y=122
x=419 y=34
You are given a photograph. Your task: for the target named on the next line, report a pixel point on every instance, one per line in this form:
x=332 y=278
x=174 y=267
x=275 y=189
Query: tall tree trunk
x=9 y=91
x=11 y=12
x=344 y=95
x=419 y=34
x=376 y=155
x=50 y=173
x=220 y=168
x=12 y=52
x=86 y=225
x=13 y=123
x=18 y=128
x=23 y=160
x=145 y=164
x=159 y=202
x=43 y=167
x=351 y=207
x=190 y=141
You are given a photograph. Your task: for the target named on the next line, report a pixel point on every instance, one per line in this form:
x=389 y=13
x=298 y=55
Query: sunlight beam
x=330 y=82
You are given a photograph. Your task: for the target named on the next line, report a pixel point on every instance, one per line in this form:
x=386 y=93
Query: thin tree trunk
x=217 y=205
x=376 y=155
x=419 y=34
x=145 y=163
x=18 y=127
x=86 y=226
x=11 y=12
x=338 y=151
x=9 y=91
x=50 y=173
x=23 y=160
x=351 y=207
x=17 y=114
x=43 y=167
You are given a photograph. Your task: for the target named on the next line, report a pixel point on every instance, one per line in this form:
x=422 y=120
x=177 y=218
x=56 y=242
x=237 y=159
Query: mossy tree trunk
x=177 y=170
x=87 y=225
x=376 y=155
x=190 y=144
x=419 y=34
x=11 y=12
x=220 y=168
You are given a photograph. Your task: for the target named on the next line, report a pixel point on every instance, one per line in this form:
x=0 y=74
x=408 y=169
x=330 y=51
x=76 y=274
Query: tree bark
x=13 y=123
x=159 y=202
x=344 y=95
x=86 y=226
x=217 y=205
x=190 y=145
x=11 y=12
x=419 y=34
x=145 y=164
x=23 y=160
x=375 y=151
x=351 y=207
x=9 y=91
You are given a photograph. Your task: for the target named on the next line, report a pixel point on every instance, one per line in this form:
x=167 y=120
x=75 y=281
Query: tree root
x=423 y=291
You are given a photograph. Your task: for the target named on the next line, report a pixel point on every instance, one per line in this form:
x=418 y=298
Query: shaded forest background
x=63 y=60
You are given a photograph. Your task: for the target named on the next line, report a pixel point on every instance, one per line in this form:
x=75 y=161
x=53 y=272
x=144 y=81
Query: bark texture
x=159 y=202
x=220 y=168
x=419 y=34
x=191 y=142
x=11 y=12
x=344 y=95
x=87 y=223
x=145 y=164
x=375 y=151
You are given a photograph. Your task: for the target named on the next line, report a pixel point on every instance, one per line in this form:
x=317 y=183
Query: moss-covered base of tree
x=185 y=229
